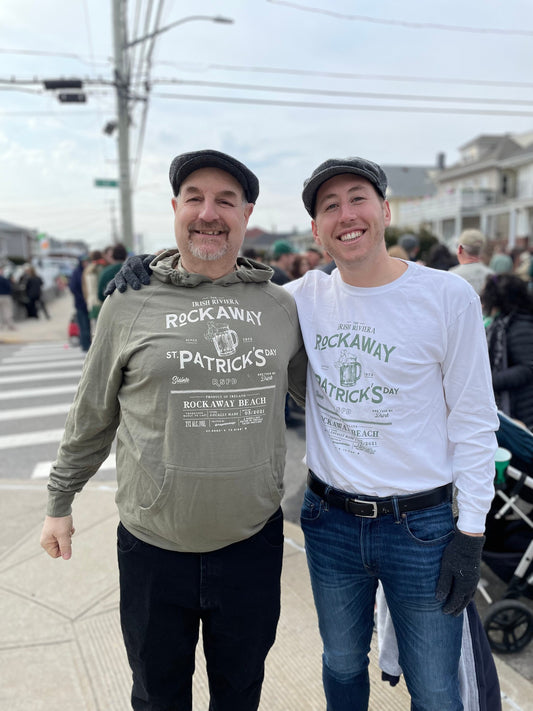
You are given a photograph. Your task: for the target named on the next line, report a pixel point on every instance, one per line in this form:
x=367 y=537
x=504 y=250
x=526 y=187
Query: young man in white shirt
x=399 y=409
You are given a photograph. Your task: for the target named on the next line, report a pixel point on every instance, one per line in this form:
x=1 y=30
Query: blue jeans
x=347 y=555
x=234 y=592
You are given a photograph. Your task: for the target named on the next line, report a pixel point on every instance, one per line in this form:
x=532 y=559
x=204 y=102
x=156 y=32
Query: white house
x=490 y=188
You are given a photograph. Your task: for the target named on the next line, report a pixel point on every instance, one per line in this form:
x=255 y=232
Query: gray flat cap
x=186 y=163
x=336 y=166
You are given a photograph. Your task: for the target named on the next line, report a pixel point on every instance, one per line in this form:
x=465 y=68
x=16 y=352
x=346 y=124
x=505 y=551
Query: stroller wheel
x=509 y=626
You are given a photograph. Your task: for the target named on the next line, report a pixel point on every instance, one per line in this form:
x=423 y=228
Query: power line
x=144 y=116
x=296 y=72
x=44 y=53
x=403 y=23
x=352 y=75
x=346 y=107
x=57 y=114
x=353 y=94
x=379 y=77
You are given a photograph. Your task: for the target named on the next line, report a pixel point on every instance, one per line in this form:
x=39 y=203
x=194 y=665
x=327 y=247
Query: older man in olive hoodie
x=191 y=375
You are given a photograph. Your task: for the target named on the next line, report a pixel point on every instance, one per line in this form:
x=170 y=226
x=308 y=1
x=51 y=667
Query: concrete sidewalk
x=60 y=639
x=31 y=330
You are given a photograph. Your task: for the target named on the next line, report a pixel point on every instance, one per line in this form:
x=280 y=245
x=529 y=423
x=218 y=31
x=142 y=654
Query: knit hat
x=281 y=247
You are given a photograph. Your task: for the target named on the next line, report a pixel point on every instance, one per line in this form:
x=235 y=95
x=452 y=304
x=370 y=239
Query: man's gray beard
x=202 y=253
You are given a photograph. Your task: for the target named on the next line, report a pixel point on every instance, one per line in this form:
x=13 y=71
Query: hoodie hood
x=167 y=268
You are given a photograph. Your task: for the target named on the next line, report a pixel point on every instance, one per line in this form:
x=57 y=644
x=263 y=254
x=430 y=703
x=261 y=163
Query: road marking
x=32 y=377
x=24 y=367
x=37 y=392
x=42 y=469
x=27 y=439
x=37 y=487
x=23 y=413
x=40 y=359
x=44 y=346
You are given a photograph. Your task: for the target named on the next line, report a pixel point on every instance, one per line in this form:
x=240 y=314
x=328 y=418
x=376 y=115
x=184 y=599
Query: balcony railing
x=445 y=205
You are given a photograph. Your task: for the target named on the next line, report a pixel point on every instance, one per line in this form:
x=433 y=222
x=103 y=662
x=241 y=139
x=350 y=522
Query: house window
x=505 y=184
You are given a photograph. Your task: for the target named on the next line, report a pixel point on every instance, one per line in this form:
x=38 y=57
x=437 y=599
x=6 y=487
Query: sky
x=284 y=87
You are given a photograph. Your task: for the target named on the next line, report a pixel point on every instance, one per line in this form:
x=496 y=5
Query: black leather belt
x=373 y=508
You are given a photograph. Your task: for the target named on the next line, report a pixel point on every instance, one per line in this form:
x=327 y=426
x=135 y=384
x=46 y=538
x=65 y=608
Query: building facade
x=490 y=188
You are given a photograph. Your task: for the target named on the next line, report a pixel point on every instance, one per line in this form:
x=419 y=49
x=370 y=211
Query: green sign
x=105 y=183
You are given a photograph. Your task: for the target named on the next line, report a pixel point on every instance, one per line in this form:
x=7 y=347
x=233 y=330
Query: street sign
x=105 y=183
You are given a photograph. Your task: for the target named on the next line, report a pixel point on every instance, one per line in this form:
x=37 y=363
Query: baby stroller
x=508 y=550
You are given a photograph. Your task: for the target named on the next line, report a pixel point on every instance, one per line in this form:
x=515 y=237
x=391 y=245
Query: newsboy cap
x=186 y=163
x=473 y=239
x=336 y=166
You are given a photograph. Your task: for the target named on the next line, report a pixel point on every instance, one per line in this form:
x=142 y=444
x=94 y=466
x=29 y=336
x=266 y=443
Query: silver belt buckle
x=374 y=514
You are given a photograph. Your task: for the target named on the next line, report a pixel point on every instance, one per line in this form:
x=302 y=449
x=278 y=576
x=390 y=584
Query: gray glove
x=134 y=272
x=459 y=572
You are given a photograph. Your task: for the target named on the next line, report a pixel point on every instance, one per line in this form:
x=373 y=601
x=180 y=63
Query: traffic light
x=67 y=97
x=63 y=83
x=72 y=98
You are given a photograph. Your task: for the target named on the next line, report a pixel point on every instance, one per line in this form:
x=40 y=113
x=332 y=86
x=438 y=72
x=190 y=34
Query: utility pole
x=122 y=83
x=122 y=86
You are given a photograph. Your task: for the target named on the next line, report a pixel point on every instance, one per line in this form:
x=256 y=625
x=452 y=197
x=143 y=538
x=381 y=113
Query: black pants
x=234 y=592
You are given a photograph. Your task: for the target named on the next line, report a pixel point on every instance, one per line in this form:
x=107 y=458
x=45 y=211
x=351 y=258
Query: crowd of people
x=88 y=282
x=504 y=283
x=23 y=296
x=287 y=262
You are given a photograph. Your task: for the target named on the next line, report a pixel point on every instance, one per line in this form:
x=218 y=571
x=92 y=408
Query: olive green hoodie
x=191 y=375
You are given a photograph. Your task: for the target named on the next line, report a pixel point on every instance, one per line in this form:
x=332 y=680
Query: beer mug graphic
x=349 y=368
x=224 y=338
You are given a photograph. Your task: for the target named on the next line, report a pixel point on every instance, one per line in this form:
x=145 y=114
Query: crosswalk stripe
x=37 y=392
x=48 y=346
x=25 y=367
x=42 y=469
x=23 y=413
x=32 y=377
x=27 y=439
x=26 y=360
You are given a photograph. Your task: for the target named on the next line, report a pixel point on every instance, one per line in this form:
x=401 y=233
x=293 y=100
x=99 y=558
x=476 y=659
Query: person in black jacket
x=33 y=285
x=509 y=306
x=82 y=314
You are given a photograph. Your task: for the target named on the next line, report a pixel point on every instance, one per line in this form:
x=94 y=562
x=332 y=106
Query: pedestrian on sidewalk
x=33 y=286
x=191 y=374
x=470 y=250
x=118 y=255
x=75 y=284
x=89 y=281
x=6 y=301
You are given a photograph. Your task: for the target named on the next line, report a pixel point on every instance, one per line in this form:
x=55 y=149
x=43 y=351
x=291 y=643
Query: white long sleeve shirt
x=399 y=391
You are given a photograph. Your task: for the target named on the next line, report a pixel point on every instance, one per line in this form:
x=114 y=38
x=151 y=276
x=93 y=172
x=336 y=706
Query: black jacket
x=517 y=378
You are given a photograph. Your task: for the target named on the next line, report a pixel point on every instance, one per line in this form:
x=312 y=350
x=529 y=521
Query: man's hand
x=134 y=272
x=56 y=535
x=459 y=573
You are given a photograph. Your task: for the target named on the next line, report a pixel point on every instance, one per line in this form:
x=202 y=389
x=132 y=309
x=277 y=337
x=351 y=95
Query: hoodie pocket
x=208 y=509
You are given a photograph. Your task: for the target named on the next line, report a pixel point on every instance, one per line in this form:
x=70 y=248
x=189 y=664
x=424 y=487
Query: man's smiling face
x=350 y=221
x=210 y=219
